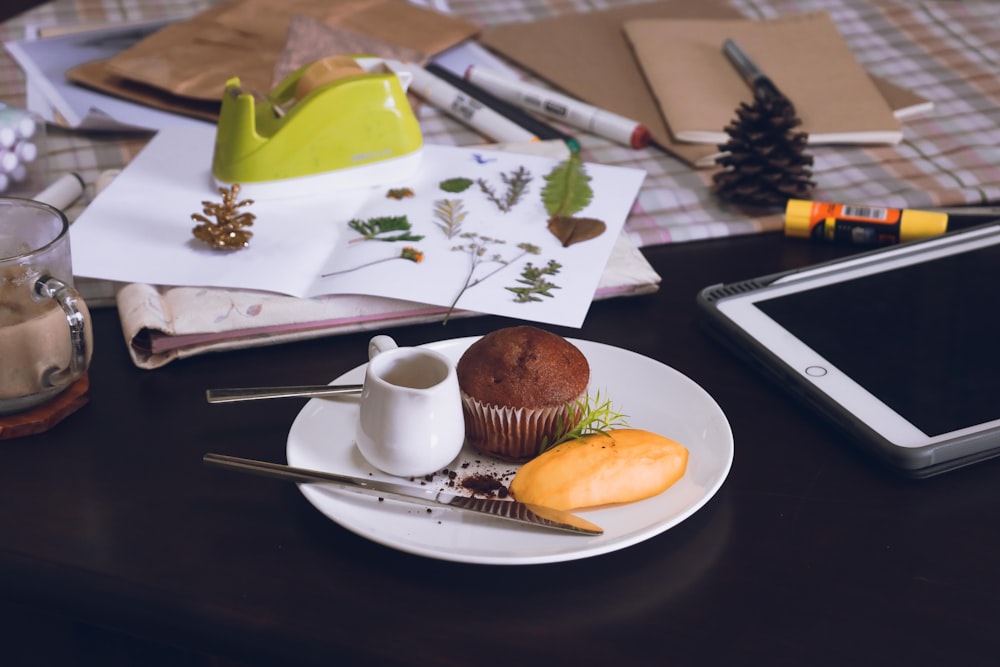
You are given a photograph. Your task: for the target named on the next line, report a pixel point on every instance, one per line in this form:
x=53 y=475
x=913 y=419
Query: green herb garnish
x=592 y=415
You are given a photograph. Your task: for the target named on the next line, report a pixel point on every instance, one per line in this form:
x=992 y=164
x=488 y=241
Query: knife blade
x=508 y=510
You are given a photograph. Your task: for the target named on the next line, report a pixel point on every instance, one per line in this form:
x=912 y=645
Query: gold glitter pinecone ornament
x=226 y=231
x=764 y=159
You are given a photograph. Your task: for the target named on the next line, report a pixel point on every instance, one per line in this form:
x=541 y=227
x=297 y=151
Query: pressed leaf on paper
x=576 y=230
x=567 y=191
x=567 y=188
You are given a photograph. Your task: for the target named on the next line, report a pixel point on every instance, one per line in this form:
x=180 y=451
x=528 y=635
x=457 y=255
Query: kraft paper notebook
x=587 y=55
x=805 y=56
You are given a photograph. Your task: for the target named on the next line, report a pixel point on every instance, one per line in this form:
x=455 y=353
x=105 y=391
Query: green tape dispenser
x=338 y=123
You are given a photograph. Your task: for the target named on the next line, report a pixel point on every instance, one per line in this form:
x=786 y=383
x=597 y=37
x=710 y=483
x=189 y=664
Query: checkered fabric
x=947 y=51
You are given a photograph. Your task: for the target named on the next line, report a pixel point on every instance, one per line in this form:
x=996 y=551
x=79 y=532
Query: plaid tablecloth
x=947 y=51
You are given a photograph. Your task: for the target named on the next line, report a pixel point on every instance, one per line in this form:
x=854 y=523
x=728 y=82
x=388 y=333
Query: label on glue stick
x=859 y=225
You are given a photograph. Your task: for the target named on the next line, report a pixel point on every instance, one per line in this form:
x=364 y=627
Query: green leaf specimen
x=456 y=185
x=567 y=188
x=374 y=229
x=567 y=191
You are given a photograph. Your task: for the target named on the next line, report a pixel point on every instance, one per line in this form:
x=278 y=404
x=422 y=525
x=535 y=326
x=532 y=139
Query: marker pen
x=860 y=225
x=513 y=113
x=464 y=108
x=63 y=191
x=572 y=112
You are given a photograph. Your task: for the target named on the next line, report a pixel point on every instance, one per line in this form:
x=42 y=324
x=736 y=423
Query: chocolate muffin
x=520 y=387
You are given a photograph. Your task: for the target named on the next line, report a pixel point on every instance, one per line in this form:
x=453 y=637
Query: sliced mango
x=619 y=466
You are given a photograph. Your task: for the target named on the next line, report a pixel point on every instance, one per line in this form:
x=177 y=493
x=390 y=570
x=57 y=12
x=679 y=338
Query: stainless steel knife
x=508 y=510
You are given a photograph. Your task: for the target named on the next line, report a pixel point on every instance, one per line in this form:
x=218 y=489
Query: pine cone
x=764 y=157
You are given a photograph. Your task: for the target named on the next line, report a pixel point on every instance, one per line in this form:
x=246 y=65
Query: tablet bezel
x=826 y=386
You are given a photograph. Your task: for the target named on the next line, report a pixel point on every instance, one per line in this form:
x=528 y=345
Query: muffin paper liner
x=513 y=434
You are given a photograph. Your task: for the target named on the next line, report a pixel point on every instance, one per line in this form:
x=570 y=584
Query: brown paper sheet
x=804 y=55
x=587 y=55
x=95 y=75
x=188 y=63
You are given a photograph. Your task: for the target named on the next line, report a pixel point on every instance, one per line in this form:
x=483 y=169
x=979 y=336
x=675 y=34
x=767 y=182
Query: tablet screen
x=924 y=338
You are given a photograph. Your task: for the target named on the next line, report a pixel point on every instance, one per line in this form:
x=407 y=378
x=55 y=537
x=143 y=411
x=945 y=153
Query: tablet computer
x=899 y=346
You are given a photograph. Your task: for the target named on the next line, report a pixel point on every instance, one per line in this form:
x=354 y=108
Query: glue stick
x=860 y=225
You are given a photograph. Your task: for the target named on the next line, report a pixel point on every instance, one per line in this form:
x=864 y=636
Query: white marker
x=463 y=108
x=572 y=112
x=64 y=191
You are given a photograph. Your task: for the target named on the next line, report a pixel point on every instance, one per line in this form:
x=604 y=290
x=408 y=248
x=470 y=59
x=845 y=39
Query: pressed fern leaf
x=567 y=188
x=371 y=228
x=450 y=214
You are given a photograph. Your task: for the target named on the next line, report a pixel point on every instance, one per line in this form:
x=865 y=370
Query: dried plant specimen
x=567 y=191
x=408 y=253
x=456 y=185
x=516 y=183
x=399 y=193
x=535 y=283
x=478 y=248
x=226 y=231
x=572 y=230
x=449 y=214
x=382 y=228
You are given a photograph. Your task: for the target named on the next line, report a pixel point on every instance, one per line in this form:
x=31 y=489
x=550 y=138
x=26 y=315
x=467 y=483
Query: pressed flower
x=409 y=253
x=412 y=254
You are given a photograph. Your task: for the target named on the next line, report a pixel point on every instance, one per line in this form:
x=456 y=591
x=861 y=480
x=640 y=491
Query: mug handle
x=380 y=344
x=67 y=298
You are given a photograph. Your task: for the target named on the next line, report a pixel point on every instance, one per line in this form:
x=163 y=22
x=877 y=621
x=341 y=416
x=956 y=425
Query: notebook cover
x=804 y=55
x=587 y=55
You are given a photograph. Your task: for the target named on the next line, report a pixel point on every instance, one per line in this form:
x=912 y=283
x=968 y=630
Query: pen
x=509 y=111
x=464 y=108
x=752 y=75
x=573 y=112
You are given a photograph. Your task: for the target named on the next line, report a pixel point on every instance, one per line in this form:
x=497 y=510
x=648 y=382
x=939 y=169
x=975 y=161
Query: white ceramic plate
x=655 y=397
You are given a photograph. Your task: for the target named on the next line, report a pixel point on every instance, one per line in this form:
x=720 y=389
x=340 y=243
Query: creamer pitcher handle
x=379 y=344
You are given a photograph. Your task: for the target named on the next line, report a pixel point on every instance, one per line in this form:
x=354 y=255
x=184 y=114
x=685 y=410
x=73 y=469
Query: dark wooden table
x=810 y=554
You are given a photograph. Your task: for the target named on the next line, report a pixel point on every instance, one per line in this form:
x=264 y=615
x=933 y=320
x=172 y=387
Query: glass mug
x=46 y=337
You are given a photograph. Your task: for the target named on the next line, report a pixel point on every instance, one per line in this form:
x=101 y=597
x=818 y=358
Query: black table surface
x=811 y=553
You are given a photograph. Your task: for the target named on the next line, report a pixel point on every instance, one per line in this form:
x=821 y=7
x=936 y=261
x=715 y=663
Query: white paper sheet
x=46 y=60
x=139 y=229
